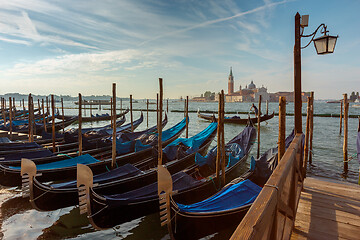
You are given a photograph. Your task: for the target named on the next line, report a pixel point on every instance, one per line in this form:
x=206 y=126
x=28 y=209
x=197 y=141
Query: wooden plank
x=311 y=224
x=332 y=196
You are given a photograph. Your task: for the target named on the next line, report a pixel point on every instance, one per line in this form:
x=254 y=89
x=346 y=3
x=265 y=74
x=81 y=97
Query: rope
x=214 y=184
x=63 y=154
x=351 y=157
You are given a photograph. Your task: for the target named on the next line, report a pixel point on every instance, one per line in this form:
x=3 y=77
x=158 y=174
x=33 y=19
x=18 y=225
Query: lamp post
x=323 y=45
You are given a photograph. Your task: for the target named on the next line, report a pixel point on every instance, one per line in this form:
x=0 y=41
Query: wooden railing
x=273 y=213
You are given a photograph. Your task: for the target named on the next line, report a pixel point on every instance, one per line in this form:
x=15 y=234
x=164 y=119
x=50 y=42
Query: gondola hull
x=237 y=120
x=95 y=118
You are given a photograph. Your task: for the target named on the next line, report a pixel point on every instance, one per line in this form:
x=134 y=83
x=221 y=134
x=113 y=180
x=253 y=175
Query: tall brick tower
x=231 y=82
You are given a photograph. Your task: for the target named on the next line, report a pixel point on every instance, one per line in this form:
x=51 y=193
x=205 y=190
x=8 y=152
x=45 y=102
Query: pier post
x=223 y=180
x=159 y=121
x=44 y=118
x=218 y=153
x=187 y=116
x=306 y=145
x=345 y=146
x=47 y=108
x=113 y=120
x=80 y=125
x=167 y=105
x=10 y=117
x=23 y=102
x=311 y=127
x=282 y=127
x=258 y=128
x=147 y=113
x=53 y=121
x=111 y=112
x=62 y=113
x=31 y=133
x=131 y=115
x=341 y=115
x=297 y=77
x=267 y=107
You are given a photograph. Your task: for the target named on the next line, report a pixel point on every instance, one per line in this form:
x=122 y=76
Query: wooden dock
x=328 y=209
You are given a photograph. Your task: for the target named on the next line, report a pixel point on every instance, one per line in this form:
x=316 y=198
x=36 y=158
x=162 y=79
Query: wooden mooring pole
x=187 y=116
x=282 y=127
x=267 y=107
x=358 y=144
x=47 y=108
x=131 y=114
x=222 y=139
x=31 y=133
x=113 y=114
x=43 y=112
x=80 y=125
x=159 y=120
x=311 y=127
x=147 y=113
x=341 y=114
x=167 y=105
x=23 y=103
x=53 y=121
x=258 y=128
x=10 y=116
x=62 y=113
x=218 y=154
x=345 y=146
x=306 y=145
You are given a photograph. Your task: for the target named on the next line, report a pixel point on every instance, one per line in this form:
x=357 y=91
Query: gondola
x=39 y=128
x=97 y=117
x=236 y=119
x=66 y=169
x=108 y=210
x=93 y=143
x=47 y=197
x=222 y=210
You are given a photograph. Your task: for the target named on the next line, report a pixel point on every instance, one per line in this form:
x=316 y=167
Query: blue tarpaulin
x=231 y=197
x=83 y=159
x=192 y=144
x=235 y=149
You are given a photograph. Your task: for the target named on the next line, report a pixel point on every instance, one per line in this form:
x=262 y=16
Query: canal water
x=19 y=221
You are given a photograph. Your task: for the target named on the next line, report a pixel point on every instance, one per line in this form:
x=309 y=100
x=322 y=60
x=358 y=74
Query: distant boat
x=95 y=102
x=335 y=101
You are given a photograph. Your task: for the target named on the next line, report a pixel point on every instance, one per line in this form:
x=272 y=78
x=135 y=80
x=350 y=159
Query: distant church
x=248 y=94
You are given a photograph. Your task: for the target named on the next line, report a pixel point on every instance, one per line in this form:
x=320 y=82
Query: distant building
x=248 y=94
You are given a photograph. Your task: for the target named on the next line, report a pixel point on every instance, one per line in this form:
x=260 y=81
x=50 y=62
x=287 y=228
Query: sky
x=69 y=47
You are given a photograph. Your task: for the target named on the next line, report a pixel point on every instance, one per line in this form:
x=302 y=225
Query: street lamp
x=323 y=45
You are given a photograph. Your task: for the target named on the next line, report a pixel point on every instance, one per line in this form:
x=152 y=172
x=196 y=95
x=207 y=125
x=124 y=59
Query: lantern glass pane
x=331 y=44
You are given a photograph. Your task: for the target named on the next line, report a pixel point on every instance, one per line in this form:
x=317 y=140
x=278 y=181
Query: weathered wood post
x=113 y=114
x=31 y=133
x=10 y=117
x=306 y=145
x=218 y=153
x=258 y=128
x=341 y=115
x=147 y=113
x=167 y=105
x=43 y=111
x=53 y=121
x=187 y=116
x=131 y=114
x=39 y=106
x=311 y=127
x=62 y=113
x=47 y=108
x=222 y=139
x=159 y=120
x=184 y=107
x=80 y=125
x=267 y=107
x=282 y=127
x=345 y=146
x=23 y=103
x=3 y=109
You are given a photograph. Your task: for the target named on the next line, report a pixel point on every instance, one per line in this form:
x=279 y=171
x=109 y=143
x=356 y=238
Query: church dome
x=252 y=85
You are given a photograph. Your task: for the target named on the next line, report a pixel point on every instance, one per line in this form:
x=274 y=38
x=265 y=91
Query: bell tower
x=231 y=82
